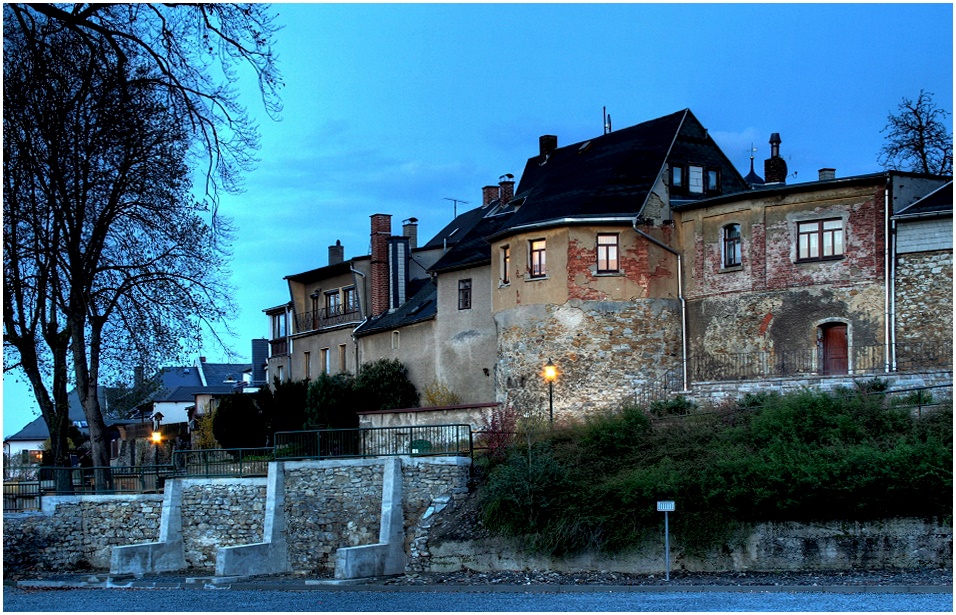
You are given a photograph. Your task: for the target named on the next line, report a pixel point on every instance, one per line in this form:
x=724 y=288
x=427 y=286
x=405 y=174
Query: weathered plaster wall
x=475 y=415
x=465 y=345
x=604 y=351
x=416 y=350
x=76 y=532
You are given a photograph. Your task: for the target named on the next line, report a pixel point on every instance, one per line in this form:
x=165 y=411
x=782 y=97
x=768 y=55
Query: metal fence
x=374 y=442
x=223 y=462
x=25 y=486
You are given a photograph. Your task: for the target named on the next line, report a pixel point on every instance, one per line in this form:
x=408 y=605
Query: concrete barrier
x=165 y=555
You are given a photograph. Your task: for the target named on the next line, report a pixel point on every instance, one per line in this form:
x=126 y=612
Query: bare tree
x=106 y=253
x=917 y=139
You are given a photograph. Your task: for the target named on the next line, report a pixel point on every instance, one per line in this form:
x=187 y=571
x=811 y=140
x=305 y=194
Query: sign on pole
x=665 y=507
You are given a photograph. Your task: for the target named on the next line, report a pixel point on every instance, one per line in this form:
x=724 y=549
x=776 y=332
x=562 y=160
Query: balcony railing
x=326 y=317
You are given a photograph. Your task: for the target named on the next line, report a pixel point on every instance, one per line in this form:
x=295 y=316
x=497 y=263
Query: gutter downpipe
x=889 y=299
x=680 y=296
x=364 y=320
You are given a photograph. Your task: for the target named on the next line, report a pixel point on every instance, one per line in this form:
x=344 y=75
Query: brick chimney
x=775 y=167
x=488 y=195
x=381 y=231
x=410 y=230
x=336 y=253
x=547 y=144
x=506 y=188
x=827 y=174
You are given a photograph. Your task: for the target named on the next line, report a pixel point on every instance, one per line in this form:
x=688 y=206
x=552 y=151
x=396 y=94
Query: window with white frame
x=464 y=294
x=607 y=253
x=695 y=179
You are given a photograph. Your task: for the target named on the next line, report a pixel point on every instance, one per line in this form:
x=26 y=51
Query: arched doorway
x=833 y=348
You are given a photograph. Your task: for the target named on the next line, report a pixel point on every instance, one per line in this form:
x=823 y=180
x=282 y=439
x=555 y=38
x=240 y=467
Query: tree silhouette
x=917 y=139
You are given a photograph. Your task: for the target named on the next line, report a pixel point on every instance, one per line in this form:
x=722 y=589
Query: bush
x=438 y=394
x=331 y=402
x=384 y=385
x=239 y=423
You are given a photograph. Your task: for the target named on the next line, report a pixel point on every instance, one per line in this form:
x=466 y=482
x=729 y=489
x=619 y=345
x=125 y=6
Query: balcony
x=278 y=347
x=326 y=317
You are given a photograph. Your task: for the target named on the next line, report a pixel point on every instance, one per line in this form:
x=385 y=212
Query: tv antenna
x=607 y=121
x=456 y=202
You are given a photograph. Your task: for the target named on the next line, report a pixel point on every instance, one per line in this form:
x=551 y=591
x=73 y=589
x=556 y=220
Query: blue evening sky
x=394 y=108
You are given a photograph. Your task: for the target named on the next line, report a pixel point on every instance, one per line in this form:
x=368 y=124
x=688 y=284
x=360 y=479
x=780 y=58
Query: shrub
x=331 y=402
x=438 y=394
x=239 y=423
x=384 y=385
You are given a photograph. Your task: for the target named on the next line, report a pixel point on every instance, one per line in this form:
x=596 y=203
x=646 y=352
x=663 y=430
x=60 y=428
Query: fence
x=223 y=462
x=374 y=442
x=24 y=486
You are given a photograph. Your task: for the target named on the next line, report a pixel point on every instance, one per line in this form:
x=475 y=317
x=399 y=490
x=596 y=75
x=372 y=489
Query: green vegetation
x=807 y=456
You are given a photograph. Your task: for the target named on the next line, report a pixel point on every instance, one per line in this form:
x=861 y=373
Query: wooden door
x=835 y=358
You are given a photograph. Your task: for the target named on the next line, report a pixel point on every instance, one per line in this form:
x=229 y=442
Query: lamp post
x=550 y=375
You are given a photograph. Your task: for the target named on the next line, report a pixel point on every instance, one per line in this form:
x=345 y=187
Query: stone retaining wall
x=78 y=532
x=220 y=512
x=894 y=543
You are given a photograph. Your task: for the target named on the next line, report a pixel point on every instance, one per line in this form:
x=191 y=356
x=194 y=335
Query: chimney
x=410 y=230
x=506 y=186
x=260 y=356
x=547 y=144
x=381 y=230
x=398 y=271
x=775 y=167
x=138 y=378
x=488 y=195
x=336 y=253
x=827 y=174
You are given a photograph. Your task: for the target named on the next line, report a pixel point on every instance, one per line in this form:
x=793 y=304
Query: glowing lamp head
x=550 y=372
x=157 y=437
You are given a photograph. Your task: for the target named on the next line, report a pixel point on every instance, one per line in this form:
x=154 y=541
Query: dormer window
x=677 y=176
x=694 y=179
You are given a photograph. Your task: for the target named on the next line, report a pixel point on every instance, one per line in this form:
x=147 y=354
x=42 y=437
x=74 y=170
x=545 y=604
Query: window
x=332 y=302
x=464 y=294
x=351 y=299
x=731 y=245
x=695 y=179
x=280 y=373
x=324 y=358
x=342 y=363
x=677 y=176
x=278 y=326
x=538 y=260
x=396 y=339
x=713 y=181
x=819 y=239
x=307 y=362
x=607 y=253
x=506 y=264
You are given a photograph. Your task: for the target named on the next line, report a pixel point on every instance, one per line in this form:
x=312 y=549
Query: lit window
x=695 y=179
x=732 y=245
x=506 y=264
x=538 y=260
x=464 y=294
x=607 y=249
x=820 y=239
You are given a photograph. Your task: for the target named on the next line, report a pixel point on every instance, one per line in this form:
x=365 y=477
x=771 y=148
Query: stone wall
x=893 y=543
x=924 y=294
x=220 y=512
x=78 y=532
x=604 y=351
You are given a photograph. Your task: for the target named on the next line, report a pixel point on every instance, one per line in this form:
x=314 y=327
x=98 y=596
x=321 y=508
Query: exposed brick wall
x=381 y=231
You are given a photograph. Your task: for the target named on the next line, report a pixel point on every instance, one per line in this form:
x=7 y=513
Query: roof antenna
x=456 y=202
x=607 y=122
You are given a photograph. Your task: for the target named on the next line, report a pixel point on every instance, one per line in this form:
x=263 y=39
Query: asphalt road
x=418 y=600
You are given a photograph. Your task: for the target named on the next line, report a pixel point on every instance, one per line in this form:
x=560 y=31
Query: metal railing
x=859 y=360
x=326 y=317
x=25 y=486
x=223 y=462
x=374 y=442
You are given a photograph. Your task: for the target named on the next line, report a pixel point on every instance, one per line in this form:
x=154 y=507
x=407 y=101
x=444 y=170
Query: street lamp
x=550 y=375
